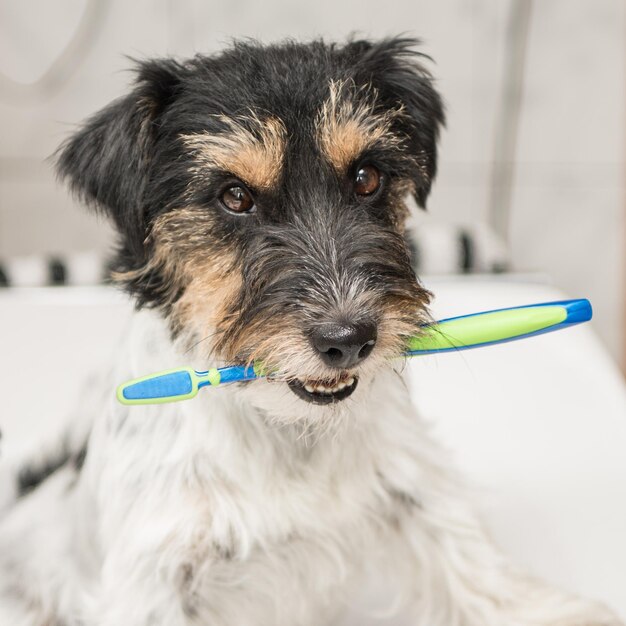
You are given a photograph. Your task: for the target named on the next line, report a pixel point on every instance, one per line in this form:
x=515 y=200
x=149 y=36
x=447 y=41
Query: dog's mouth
x=324 y=391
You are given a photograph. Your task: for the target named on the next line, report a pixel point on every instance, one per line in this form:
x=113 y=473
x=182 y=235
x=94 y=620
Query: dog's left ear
x=109 y=162
x=395 y=68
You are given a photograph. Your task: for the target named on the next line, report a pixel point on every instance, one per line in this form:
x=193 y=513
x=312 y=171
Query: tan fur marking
x=207 y=299
x=346 y=127
x=274 y=347
x=254 y=156
x=184 y=252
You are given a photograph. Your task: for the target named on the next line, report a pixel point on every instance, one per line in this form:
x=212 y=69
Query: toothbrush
x=451 y=334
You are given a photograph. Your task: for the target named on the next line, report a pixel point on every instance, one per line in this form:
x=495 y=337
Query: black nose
x=344 y=345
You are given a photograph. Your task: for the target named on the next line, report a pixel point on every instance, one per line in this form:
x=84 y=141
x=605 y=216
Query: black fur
x=128 y=159
x=31 y=476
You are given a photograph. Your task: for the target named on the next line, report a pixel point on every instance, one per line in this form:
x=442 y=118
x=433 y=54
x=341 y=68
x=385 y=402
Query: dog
x=260 y=199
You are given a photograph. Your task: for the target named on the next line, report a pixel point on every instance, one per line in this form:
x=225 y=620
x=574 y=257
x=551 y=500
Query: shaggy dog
x=259 y=196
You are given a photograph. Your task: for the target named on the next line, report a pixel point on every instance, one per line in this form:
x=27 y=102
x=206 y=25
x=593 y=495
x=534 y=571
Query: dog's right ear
x=395 y=67
x=108 y=162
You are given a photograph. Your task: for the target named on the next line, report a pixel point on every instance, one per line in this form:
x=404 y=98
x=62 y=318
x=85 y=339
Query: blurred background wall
x=535 y=93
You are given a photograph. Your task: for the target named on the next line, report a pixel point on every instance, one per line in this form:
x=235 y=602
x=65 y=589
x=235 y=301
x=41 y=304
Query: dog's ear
x=108 y=161
x=395 y=68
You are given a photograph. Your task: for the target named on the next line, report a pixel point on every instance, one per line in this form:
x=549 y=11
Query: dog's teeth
x=321 y=388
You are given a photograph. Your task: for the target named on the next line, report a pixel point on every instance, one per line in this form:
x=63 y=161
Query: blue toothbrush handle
x=182 y=383
x=169 y=386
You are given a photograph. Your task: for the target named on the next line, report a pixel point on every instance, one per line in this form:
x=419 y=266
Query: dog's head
x=259 y=196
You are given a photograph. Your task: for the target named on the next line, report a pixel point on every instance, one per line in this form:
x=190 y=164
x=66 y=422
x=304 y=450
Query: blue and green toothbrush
x=452 y=334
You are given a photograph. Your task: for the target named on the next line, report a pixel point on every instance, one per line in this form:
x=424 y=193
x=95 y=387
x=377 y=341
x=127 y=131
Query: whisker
x=197 y=343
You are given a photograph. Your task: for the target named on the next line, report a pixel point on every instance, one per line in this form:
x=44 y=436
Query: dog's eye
x=366 y=180
x=237 y=199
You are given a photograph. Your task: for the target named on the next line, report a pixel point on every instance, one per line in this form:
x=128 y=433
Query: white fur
x=249 y=506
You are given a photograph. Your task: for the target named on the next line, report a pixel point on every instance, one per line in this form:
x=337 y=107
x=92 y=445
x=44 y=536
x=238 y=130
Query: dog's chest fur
x=221 y=497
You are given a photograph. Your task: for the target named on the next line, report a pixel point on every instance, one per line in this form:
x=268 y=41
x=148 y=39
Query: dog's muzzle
x=340 y=346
